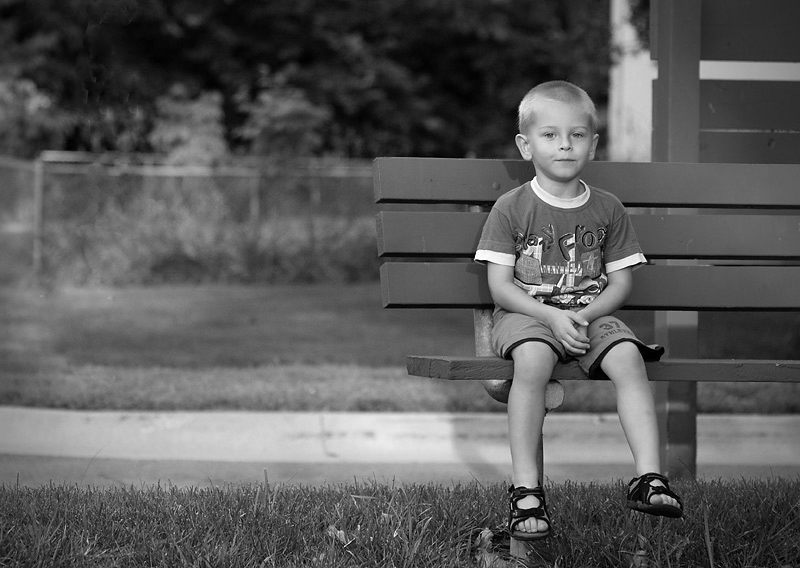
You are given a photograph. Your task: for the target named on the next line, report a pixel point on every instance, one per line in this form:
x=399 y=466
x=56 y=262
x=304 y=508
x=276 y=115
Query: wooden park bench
x=717 y=213
x=722 y=237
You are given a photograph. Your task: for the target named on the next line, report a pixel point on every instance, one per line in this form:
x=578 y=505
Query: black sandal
x=641 y=490
x=517 y=515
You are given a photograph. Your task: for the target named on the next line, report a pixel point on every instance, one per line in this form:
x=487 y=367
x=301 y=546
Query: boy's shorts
x=513 y=329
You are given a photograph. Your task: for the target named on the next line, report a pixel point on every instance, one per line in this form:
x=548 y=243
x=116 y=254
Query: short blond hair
x=561 y=91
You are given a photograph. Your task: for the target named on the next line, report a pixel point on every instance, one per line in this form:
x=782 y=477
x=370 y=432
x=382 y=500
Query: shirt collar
x=557 y=201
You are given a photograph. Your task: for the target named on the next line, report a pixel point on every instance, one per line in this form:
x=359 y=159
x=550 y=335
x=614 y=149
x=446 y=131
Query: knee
x=625 y=352
x=533 y=362
x=624 y=362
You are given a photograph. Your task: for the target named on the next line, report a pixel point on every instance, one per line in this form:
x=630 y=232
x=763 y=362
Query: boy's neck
x=562 y=190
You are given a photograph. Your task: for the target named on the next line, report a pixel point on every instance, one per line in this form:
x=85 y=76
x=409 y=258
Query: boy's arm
x=613 y=297
x=567 y=326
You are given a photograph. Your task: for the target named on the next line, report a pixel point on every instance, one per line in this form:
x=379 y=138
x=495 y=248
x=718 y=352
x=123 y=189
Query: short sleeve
x=622 y=248
x=496 y=244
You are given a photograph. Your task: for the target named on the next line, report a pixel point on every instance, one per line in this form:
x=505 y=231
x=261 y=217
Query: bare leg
x=636 y=408
x=533 y=366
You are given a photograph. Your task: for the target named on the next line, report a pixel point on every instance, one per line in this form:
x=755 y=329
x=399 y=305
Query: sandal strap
x=521 y=491
x=643 y=490
x=517 y=515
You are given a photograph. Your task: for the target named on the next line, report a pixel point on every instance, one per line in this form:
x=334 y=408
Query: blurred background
x=148 y=141
x=186 y=195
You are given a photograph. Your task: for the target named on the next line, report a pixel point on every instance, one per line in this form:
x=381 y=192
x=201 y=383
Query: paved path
x=38 y=446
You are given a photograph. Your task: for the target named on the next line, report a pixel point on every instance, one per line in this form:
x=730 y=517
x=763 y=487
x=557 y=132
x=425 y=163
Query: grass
x=285 y=348
x=729 y=524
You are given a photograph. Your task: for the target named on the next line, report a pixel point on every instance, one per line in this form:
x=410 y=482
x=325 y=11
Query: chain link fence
x=83 y=219
x=17 y=218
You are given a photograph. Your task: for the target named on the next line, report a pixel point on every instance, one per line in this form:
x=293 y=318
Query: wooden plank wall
x=750 y=121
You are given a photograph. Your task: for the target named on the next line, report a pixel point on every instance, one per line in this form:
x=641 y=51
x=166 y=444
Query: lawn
x=730 y=524
x=289 y=348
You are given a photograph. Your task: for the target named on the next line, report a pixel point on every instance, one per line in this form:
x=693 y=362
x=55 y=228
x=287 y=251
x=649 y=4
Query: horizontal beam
x=702 y=370
x=746 y=236
x=660 y=287
x=460 y=180
x=409 y=233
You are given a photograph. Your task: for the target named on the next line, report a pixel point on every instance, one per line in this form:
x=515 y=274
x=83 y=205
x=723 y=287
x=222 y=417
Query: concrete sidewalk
x=38 y=446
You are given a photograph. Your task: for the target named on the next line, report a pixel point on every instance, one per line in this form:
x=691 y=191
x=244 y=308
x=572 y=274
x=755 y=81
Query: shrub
x=192 y=233
x=309 y=250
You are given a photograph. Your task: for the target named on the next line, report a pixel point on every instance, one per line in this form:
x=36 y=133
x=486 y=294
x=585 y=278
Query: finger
x=578 y=319
x=576 y=352
x=574 y=348
x=579 y=338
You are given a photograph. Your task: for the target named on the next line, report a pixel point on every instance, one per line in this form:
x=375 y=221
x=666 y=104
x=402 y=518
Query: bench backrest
x=718 y=236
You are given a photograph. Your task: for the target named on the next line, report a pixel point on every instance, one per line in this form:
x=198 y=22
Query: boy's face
x=559 y=142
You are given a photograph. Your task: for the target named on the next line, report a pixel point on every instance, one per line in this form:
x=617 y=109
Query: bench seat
x=724 y=370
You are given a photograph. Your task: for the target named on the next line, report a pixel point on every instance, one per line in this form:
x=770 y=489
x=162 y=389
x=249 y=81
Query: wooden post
x=38 y=217
x=676 y=91
x=314 y=206
x=483 y=323
x=676 y=138
x=676 y=402
x=254 y=189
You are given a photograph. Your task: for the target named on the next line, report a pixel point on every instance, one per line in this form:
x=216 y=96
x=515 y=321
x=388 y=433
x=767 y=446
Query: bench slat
x=458 y=180
x=718 y=236
x=463 y=285
x=725 y=370
x=416 y=233
x=407 y=233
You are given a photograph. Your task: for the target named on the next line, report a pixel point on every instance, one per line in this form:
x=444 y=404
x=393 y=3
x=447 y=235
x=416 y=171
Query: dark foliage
x=396 y=77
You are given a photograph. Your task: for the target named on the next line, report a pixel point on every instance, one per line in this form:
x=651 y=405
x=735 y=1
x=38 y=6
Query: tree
x=281 y=121
x=640 y=20
x=190 y=131
x=391 y=77
x=28 y=119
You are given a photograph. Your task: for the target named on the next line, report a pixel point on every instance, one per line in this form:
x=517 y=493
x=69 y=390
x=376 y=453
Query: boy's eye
x=577 y=134
x=549 y=135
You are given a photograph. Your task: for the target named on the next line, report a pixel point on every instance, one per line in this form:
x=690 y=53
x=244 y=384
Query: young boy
x=559 y=258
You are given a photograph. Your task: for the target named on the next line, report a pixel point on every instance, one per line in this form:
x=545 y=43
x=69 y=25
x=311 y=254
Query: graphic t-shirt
x=561 y=250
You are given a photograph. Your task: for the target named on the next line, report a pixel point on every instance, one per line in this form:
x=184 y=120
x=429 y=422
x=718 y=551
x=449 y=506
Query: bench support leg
x=676 y=402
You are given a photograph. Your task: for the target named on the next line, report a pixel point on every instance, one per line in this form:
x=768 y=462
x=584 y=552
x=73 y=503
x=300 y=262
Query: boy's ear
x=523 y=146
x=595 y=139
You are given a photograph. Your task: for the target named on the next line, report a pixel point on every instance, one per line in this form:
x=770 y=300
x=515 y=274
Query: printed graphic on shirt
x=565 y=270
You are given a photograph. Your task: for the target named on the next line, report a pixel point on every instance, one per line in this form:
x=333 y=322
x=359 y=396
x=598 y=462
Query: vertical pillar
x=38 y=217
x=676 y=402
x=676 y=28
x=255 y=200
x=676 y=91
